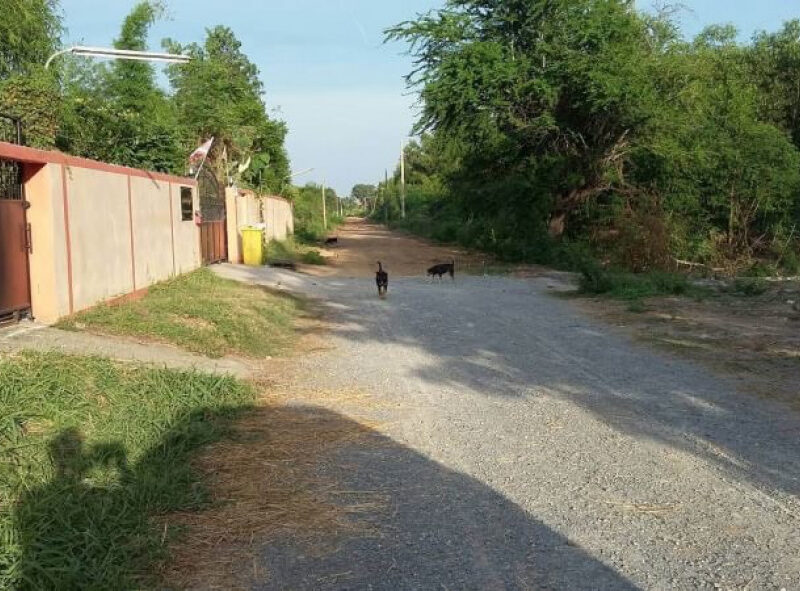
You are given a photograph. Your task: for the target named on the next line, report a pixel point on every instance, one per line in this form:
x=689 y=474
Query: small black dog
x=442 y=269
x=331 y=241
x=382 y=281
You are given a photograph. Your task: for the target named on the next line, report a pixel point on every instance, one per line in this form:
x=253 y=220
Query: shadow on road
x=436 y=529
x=502 y=337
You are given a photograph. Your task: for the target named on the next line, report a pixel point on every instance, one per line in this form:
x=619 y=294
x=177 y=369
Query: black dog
x=382 y=280
x=332 y=240
x=442 y=269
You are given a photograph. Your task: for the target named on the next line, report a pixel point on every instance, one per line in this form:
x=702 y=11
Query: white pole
x=324 y=208
x=402 y=179
x=205 y=157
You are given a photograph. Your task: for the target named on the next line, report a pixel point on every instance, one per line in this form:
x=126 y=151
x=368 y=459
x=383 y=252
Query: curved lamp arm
x=122 y=54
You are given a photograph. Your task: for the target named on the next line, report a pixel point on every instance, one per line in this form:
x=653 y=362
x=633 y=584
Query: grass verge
x=90 y=452
x=635 y=286
x=290 y=250
x=203 y=313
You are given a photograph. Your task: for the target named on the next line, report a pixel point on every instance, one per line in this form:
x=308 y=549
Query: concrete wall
x=100 y=231
x=48 y=257
x=186 y=235
x=152 y=230
x=100 y=236
x=245 y=208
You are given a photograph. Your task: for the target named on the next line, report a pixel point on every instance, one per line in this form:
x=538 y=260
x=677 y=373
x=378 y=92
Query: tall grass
x=201 y=312
x=90 y=453
x=290 y=250
x=624 y=285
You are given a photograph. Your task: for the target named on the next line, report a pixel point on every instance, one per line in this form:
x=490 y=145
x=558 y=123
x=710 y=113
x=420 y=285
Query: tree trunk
x=557 y=225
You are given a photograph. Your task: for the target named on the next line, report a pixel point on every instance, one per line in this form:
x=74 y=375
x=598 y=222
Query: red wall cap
x=34 y=156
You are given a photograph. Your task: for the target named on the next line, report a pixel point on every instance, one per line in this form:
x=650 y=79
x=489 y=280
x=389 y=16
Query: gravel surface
x=527 y=446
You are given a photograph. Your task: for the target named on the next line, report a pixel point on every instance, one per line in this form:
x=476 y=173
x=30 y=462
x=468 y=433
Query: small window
x=187 y=203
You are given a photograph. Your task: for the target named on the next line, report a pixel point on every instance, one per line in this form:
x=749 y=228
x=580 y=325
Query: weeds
x=203 y=313
x=91 y=452
x=631 y=286
x=749 y=286
x=637 y=307
x=313 y=257
x=289 y=250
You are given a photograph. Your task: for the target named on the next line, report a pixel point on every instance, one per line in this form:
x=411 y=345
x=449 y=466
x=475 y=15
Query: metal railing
x=10 y=129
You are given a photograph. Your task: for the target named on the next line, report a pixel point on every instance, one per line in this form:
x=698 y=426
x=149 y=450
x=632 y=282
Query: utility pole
x=324 y=208
x=402 y=179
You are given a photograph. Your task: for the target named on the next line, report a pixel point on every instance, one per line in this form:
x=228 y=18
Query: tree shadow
x=503 y=338
x=92 y=526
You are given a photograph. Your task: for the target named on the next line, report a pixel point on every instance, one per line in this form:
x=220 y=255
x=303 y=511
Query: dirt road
x=516 y=443
x=362 y=244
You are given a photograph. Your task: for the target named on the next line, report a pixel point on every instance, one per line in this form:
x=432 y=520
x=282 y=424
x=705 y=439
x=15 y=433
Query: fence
x=245 y=208
x=100 y=231
x=10 y=129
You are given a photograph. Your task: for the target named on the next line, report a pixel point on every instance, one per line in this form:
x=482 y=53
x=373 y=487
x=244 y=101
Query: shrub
x=630 y=286
x=313 y=257
x=749 y=286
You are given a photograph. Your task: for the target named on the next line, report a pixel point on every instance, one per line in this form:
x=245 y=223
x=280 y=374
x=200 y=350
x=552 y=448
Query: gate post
x=234 y=246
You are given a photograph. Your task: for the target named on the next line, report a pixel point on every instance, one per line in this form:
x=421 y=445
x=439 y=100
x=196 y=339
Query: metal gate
x=15 y=232
x=213 y=242
x=213 y=228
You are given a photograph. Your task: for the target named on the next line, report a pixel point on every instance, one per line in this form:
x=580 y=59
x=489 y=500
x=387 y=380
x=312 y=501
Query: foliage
x=749 y=286
x=308 y=215
x=552 y=122
x=633 y=286
x=91 y=451
x=202 y=313
x=116 y=112
x=29 y=34
x=35 y=100
x=313 y=257
x=219 y=94
x=363 y=193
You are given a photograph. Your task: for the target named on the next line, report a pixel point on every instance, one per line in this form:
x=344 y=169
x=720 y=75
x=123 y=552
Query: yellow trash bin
x=253 y=246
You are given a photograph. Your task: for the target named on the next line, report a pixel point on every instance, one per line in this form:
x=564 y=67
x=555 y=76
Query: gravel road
x=526 y=446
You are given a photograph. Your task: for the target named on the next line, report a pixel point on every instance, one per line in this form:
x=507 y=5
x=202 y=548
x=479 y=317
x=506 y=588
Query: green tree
x=118 y=113
x=29 y=34
x=554 y=84
x=219 y=94
x=774 y=61
x=597 y=124
x=728 y=177
x=363 y=193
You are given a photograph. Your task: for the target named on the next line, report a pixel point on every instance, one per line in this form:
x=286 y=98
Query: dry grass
x=753 y=339
x=268 y=482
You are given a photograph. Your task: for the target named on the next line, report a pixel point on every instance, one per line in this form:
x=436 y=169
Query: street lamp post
x=120 y=54
x=403 y=179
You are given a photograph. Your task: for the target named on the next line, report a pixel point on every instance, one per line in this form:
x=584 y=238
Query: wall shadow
x=438 y=528
x=435 y=529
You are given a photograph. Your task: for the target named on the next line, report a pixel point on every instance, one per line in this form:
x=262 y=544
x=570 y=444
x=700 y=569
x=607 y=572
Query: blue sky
x=328 y=74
